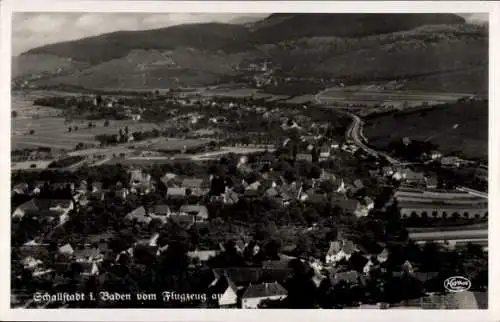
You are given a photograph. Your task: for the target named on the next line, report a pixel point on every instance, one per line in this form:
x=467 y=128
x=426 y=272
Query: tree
x=98 y=100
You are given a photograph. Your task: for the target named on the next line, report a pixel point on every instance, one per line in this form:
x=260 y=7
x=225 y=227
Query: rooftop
x=264 y=290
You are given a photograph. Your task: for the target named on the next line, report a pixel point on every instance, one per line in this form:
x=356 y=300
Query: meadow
x=371 y=95
x=50 y=130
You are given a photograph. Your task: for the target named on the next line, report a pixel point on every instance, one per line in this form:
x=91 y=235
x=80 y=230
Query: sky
x=30 y=30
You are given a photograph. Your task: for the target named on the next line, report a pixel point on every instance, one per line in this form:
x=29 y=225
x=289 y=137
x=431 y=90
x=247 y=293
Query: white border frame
x=9 y=6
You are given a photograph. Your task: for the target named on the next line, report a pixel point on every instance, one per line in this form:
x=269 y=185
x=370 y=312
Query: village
x=268 y=201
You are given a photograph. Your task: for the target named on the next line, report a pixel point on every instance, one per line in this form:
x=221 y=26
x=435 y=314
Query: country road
x=354 y=132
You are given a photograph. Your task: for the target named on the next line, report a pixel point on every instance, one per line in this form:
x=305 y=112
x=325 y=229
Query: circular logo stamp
x=457 y=284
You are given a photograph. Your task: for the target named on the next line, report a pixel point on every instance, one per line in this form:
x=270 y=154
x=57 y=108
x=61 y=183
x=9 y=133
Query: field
x=51 y=131
x=454 y=128
x=371 y=95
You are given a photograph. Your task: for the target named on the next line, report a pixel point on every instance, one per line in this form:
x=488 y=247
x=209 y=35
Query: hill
x=142 y=69
x=102 y=48
x=289 y=26
x=39 y=65
x=422 y=50
x=454 y=128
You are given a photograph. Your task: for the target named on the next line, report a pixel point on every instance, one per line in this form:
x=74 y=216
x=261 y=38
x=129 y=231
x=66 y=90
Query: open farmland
x=371 y=95
x=51 y=131
x=461 y=128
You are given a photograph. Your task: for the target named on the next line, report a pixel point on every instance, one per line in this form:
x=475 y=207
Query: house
x=89 y=269
x=66 y=249
x=139 y=178
x=256 y=293
x=434 y=155
x=307 y=157
x=138 y=215
x=368 y=267
x=369 y=203
x=327 y=176
x=160 y=211
x=31 y=262
x=229 y=297
x=182 y=219
x=312 y=197
x=383 y=256
x=176 y=192
x=431 y=182
x=21 y=188
x=202 y=255
x=56 y=208
x=290 y=192
x=198 y=187
x=451 y=161
x=168 y=178
x=407 y=267
x=350 y=277
x=200 y=213
x=254 y=186
x=351 y=206
x=230 y=197
x=334 y=145
x=121 y=193
x=388 y=171
x=324 y=152
x=88 y=255
x=40 y=271
x=251 y=194
x=358 y=184
x=339 y=250
x=412 y=177
x=35 y=249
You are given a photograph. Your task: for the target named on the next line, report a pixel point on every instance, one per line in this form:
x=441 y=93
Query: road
x=355 y=132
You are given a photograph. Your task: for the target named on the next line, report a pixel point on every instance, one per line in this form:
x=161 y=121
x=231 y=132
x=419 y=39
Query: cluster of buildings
x=440 y=204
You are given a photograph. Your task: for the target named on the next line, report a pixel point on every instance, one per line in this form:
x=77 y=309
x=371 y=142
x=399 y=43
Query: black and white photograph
x=249 y=160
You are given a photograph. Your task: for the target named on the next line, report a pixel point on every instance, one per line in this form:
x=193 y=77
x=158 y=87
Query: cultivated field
x=51 y=131
x=462 y=129
x=371 y=95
